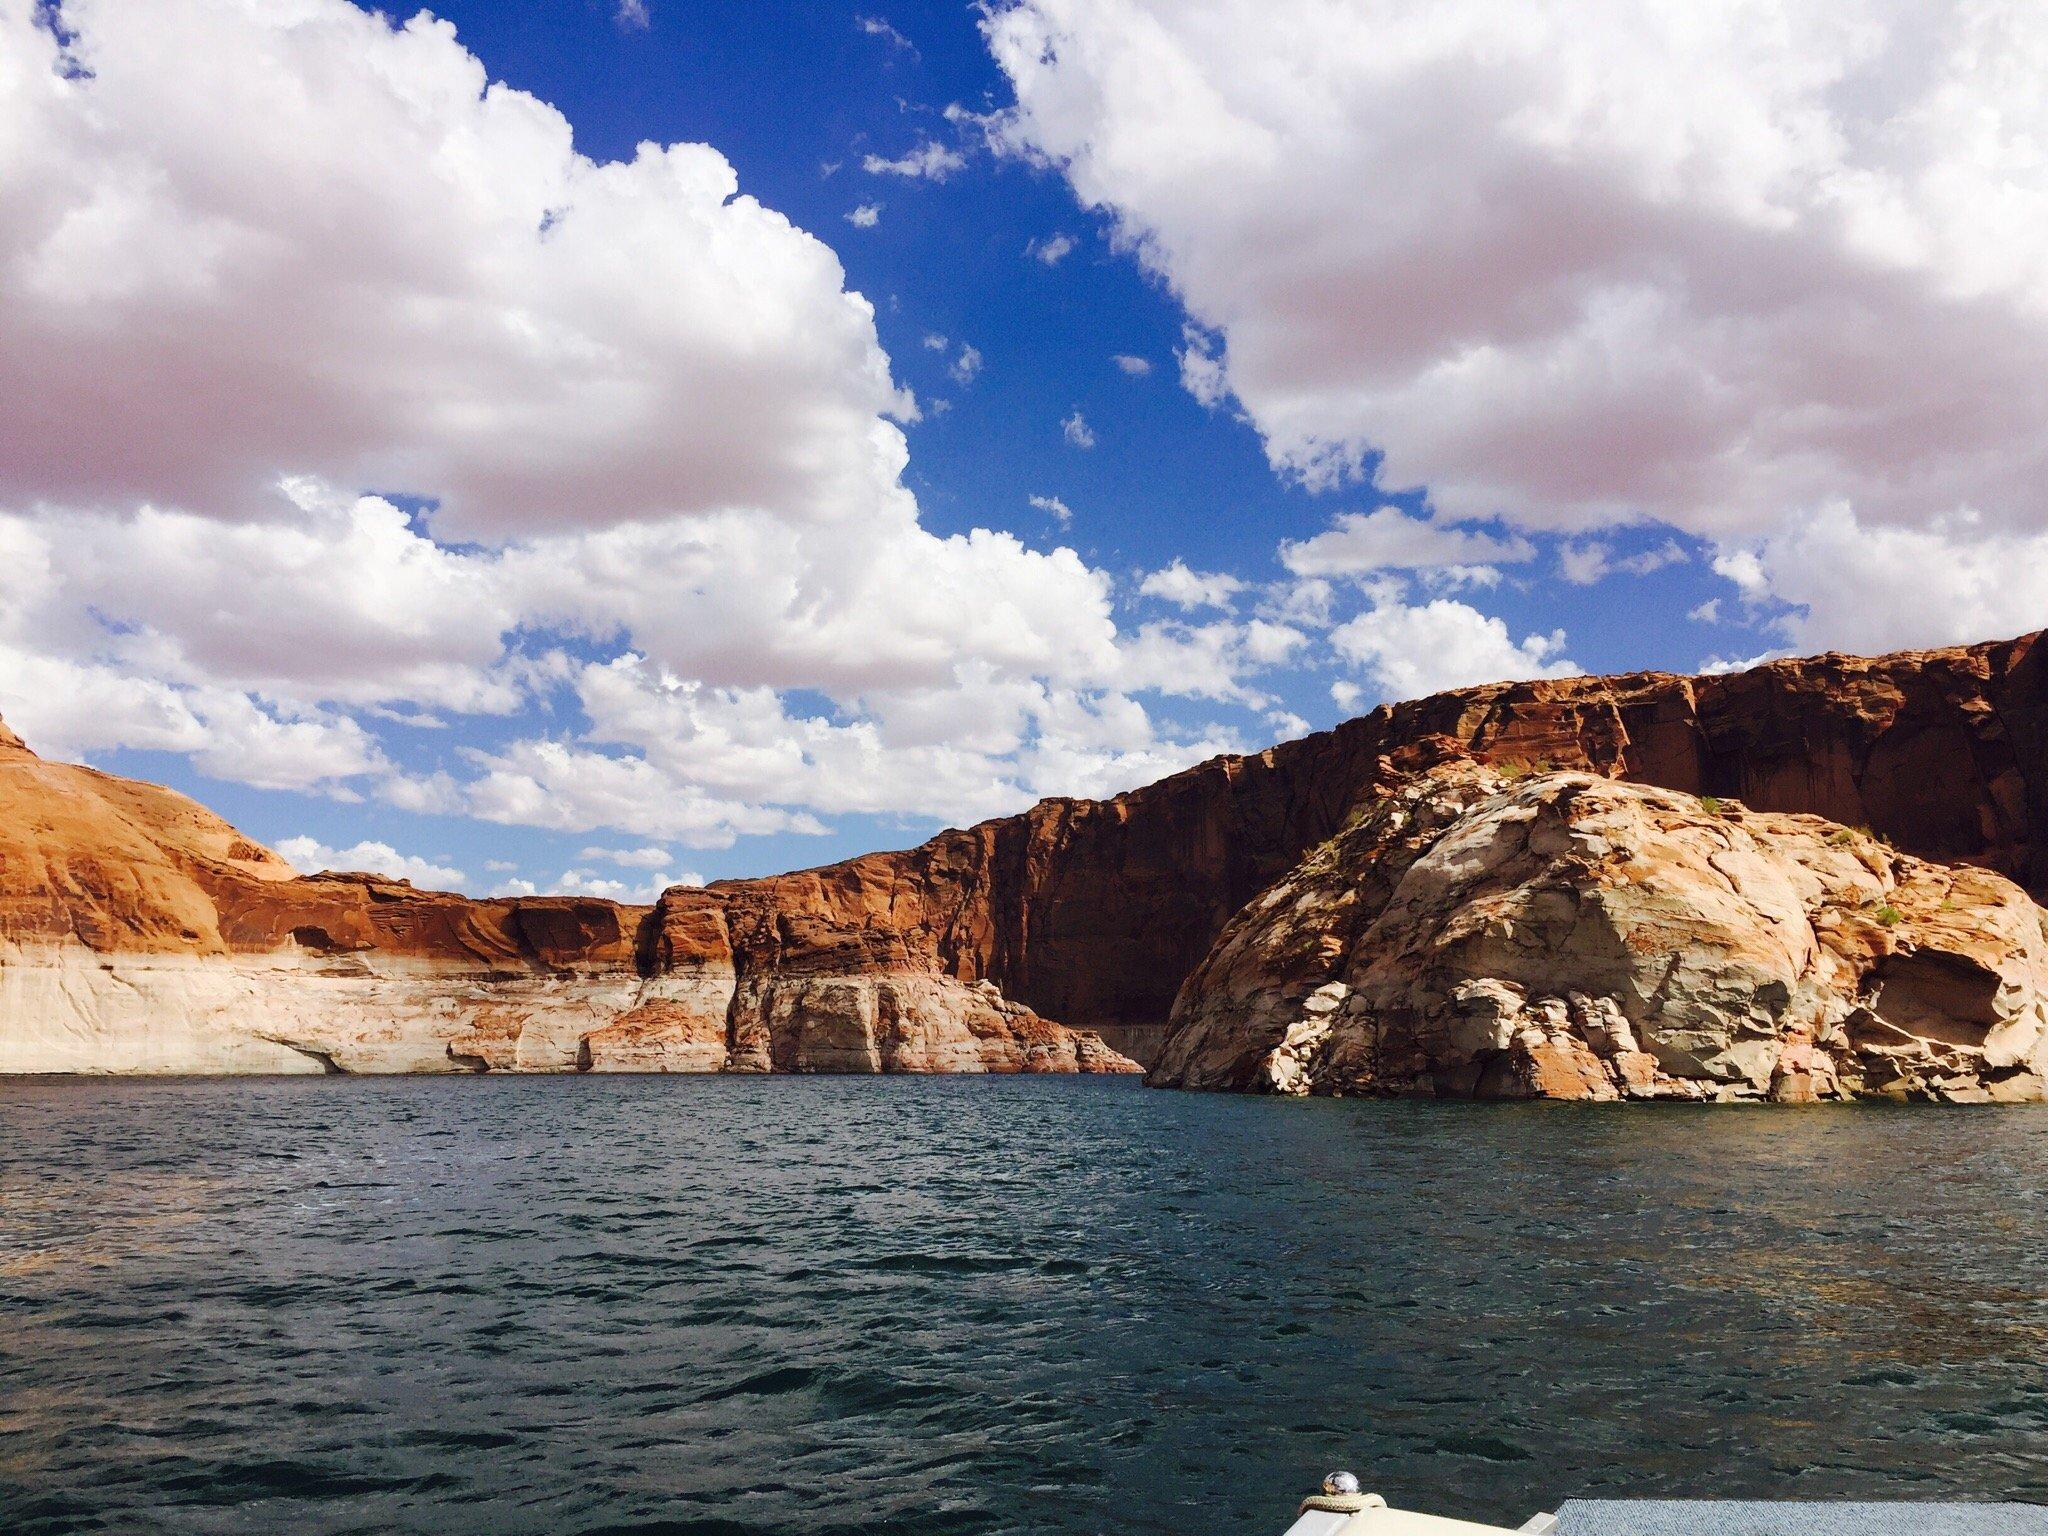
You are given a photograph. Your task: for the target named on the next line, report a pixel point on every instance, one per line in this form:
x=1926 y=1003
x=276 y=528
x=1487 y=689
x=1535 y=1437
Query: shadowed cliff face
x=1093 y=912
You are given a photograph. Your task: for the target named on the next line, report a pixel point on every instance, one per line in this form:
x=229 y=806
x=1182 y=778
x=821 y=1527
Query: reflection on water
x=496 y=1305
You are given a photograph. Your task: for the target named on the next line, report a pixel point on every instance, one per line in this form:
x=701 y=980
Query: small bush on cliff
x=1888 y=915
x=1711 y=804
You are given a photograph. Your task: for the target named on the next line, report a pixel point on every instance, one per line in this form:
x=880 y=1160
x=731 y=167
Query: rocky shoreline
x=140 y=933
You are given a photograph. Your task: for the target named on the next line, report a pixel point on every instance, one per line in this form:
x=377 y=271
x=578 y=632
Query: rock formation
x=1094 y=911
x=1560 y=935
x=1088 y=912
x=141 y=933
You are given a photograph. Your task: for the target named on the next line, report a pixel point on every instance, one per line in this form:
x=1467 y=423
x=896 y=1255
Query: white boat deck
x=1351 y=1513
x=1736 y=1517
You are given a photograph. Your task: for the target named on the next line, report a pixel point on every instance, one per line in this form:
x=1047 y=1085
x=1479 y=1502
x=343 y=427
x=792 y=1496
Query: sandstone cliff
x=141 y=933
x=1567 y=936
x=1087 y=912
x=1093 y=912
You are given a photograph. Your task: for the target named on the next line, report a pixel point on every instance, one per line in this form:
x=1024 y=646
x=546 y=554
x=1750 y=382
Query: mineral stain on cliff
x=142 y=933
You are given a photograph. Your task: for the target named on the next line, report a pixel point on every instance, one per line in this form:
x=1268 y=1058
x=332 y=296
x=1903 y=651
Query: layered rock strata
x=141 y=933
x=1094 y=912
x=1470 y=934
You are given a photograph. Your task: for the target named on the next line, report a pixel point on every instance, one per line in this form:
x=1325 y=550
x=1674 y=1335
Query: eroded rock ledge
x=1476 y=934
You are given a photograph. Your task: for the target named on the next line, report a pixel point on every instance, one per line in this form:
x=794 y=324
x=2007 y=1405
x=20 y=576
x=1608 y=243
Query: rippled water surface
x=506 y=1305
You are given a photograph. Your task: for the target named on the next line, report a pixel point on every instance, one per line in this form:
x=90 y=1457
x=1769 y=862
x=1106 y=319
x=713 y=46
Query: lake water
x=743 y=1305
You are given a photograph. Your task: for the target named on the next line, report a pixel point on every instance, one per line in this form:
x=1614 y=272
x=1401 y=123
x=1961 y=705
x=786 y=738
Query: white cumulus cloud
x=244 y=241
x=1176 y=583
x=641 y=892
x=1413 y=650
x=1833 y=581
x=309 y=856
x=630 y=858
x=1579 y=265
x=1359 y=543
x=255 y=258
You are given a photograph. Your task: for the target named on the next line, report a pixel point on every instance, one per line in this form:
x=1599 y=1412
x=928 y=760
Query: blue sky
x=1604 y=411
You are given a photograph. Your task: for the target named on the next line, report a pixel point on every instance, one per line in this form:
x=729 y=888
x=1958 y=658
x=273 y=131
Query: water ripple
x=934 y=1307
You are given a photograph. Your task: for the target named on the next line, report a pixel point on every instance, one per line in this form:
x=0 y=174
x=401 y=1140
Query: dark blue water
x=506 y=1305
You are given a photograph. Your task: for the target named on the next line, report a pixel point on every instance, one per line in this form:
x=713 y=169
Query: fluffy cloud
x=1052 y=250
x=1208 y=661
x=80 y=708
x=1714 y=265
x=1412 y=650
x=254 y=253
x=309 y=856
x=584 y=882
x=1074 y=426
x=1609 y=254
x=244 y=241
x=1186 y=588
x=347 y=602
x=1718 y=666
x=1587 y=561
x=1358 y=543
x=72 y=687
x=671 y=757
x=1133 y=367
x=1833 y=581
x=736 y=602
x=631 y=858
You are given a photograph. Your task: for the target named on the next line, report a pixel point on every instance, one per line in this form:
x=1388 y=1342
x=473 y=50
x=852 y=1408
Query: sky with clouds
x=588 y=445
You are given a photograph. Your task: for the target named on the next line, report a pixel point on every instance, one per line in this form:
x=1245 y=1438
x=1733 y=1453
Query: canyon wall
x=141 y=933
x=1093 y=912
x=954 y=955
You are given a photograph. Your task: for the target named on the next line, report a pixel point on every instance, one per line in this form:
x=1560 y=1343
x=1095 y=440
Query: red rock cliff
x=1088 y=912
x=1093 y=912
x=139 y=932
